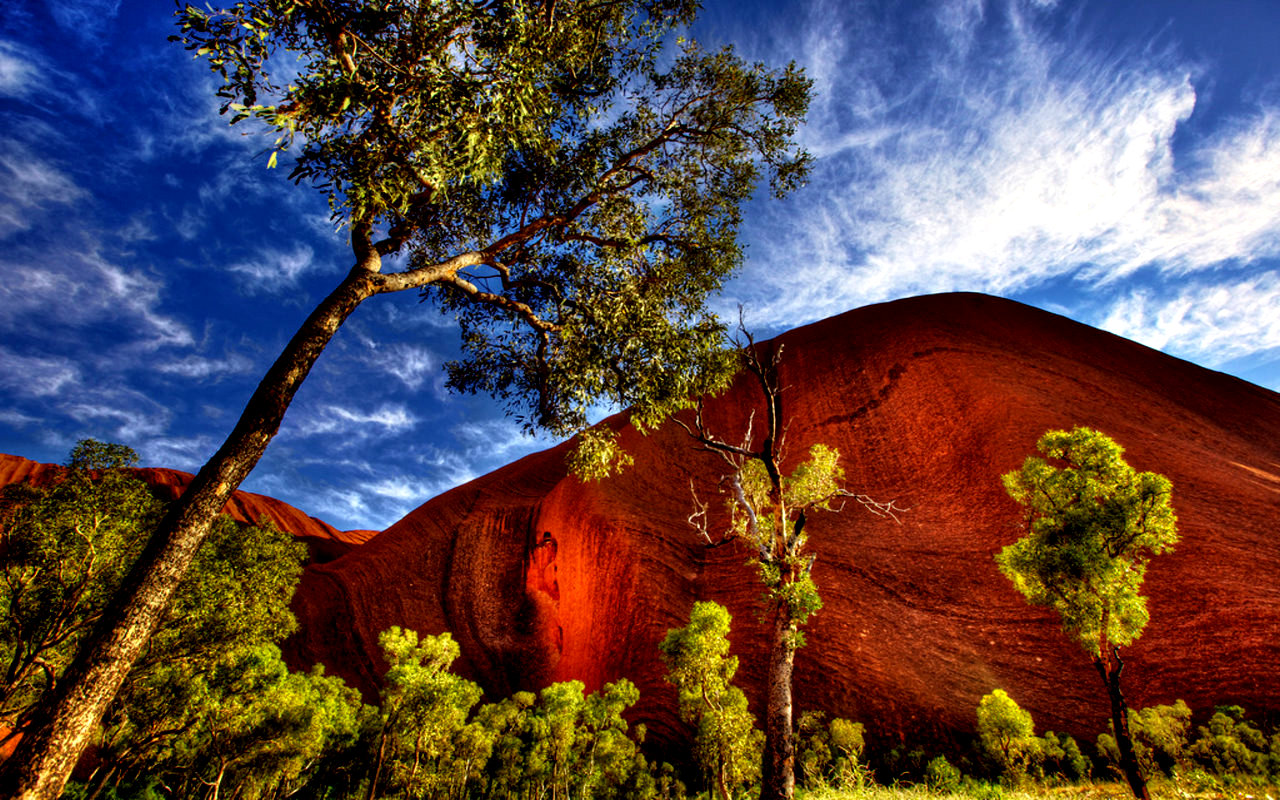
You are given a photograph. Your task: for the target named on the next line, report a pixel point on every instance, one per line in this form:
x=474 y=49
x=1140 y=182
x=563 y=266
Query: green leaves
x=1093 y=524
x=64 y=548
x=601 y=189
x=1006 y=733
x=726 y=741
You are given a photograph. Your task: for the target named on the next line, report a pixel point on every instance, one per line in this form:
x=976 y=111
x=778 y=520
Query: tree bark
x=63 y=724
x=778 y=780
x=1109 y=667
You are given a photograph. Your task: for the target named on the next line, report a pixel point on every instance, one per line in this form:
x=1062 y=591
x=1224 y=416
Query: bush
x=1007 y=734
x=941 y=777
x=1231 y=747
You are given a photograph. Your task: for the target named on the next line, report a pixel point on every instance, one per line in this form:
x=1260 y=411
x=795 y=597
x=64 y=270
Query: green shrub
x=940 y=776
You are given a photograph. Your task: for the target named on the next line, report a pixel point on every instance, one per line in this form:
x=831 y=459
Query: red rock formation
x=324 y=542
x=929 y=400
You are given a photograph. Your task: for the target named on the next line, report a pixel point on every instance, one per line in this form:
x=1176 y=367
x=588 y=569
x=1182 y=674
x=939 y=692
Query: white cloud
x=1006 y=162
x=84 y=18
x=198 y=367
x=20 y=74
x=118 y=423
x=36 y=376
x=410 y=363
x=358 y=424
x=400 y=488
x=274 y=270
x=186 y=453
x=1212 y=323
x=30 y=184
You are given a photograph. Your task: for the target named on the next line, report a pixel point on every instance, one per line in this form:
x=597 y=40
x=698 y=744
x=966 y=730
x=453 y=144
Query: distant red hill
x=324 y=542
x=929 y=400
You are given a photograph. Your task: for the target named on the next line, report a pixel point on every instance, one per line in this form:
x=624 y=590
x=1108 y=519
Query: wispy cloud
x=118 y=422
x=411 y=364
x=36 y=376
x=20 y=74
x=29 y=184
x=199 y=367
x=329 y=419
x=84 y=18
x=272 y=270
x=1208 y=322
x=1003 y=161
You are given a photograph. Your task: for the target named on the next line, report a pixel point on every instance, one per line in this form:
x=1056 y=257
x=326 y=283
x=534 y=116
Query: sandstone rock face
x=324 y=542
x=542 y=578
x=929 y=400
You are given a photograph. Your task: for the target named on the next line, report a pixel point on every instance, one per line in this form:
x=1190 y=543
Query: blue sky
x=1116 y=162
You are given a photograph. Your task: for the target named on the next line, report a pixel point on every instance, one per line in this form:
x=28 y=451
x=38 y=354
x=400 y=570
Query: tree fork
x=63 y=724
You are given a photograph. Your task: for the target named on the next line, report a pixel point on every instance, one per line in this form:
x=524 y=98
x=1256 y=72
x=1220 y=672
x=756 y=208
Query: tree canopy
x=1092 y=525
x=567 y=188
x=727 y=743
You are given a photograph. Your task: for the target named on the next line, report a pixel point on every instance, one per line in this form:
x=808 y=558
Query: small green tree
x=1007 y=734
x=1060 y=755
x=209 y=703
x=726 y=741
x=941 y=776
x=424 y=710
x=1093 y=524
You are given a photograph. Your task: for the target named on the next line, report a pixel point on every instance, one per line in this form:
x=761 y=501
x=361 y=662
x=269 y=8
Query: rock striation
x=541 y=577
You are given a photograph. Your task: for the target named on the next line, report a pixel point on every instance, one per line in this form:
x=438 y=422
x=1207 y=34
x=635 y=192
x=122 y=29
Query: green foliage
x=1007 y=734
x=591 y=176
x=210 y=701
x=726 y=741
x=941 y=777
x=1093 y=523
x=64 y=549
x=1059 y=757
x=812 y=486
x=423 y=713
x=429 y=740
x=1160 y=736
x=1233 y=748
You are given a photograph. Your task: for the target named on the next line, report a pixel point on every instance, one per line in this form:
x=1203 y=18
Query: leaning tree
x=768 y=512
x=1092 y=525
x=566 y=179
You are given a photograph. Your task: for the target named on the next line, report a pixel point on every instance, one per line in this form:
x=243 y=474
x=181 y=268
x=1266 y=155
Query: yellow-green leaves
x=726 y=741
x=1093 y=523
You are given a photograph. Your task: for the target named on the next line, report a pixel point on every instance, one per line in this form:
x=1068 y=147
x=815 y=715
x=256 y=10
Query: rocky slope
x=543 y=578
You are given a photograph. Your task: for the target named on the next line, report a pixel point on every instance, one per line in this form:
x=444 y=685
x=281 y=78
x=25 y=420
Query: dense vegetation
x=564 y=181
x=211 y=710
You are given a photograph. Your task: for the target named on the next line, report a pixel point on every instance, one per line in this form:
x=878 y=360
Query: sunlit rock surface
x=543 y=578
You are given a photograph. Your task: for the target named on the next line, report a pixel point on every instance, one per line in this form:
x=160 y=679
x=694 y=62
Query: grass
x=1160 y=790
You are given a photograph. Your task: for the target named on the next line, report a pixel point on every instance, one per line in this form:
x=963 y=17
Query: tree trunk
x=64 y=722
x=1109 y=667
x=778 y=780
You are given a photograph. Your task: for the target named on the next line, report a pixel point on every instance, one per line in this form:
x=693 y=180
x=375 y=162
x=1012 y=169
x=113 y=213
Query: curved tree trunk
x=1109 y=667
x=62 y=725
x=778 y=780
